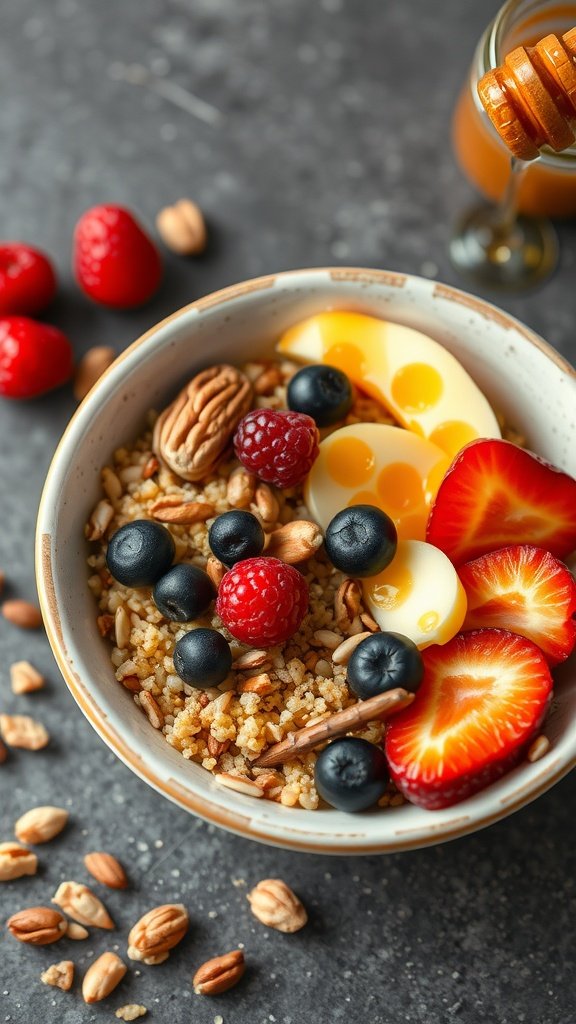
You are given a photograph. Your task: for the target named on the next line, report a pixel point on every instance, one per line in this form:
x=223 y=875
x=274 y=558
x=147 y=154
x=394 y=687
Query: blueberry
x=361 y=540
x=322 y=392
x=351 y=774
x=235 y=536
x=183 y=593
x=203 y=658
x=139 y=553
x=382 y=662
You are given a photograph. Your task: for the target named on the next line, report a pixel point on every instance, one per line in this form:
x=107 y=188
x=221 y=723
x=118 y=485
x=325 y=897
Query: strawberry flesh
x=526 y=590
x=495 y=494
x=483 y=697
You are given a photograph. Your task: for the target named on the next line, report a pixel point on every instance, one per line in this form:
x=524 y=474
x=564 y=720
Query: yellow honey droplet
x=350 y=461
x=428 y=621
x=346 y=357
x=400 y=486
x=416 y=387
x=392 y=587
x=452 y=436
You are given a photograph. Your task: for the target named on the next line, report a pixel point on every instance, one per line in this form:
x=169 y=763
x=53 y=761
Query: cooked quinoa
x=227 y=728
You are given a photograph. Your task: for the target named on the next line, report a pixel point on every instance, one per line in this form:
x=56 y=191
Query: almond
x=90 y=369
x=276 y=906
x=295 y=542
x=157 y=932
x=171 y=509
x=16 y=861
x=219 y=974
x=102 y=977
x=239 y=784
x=81 y=904
x=327 y=638
x=182 y=228
x=60 y=975
x=22 y=613
x=216 y=570
x=24 y=732
x=40 y=824
x=342 y=654
x=106 y=869
x=195 y=431
x=250 y=659
x=24 y=678
x=37 y=925
x=122 y=627
x=267 y=505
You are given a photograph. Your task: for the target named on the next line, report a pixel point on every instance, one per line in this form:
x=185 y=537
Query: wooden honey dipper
x=531 y=97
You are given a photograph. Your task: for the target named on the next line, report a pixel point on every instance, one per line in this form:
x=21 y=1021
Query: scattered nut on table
x=182 y=228
x=276 y=906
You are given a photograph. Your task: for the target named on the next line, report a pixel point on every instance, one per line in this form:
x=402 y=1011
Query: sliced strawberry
x=483 y=696
x=526 y=590
x=495 y=494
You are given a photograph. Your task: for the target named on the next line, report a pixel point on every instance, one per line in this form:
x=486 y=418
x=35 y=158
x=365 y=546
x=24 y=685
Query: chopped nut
x=77 y=932
x=16 y=861
x=347 y=603
x=151 y=709
x=37 y=925
x=216 y=747
x=106 y=869
x=343 y=653
x=241 y=488
x=268 y=381
x=276 y=906
x=370 y=623
x=262 y=685
x=216 y=570
x=40 y=824
x=24 y=678
x=122 y=627
x=250 y=660
x=131 y=1011
x=239 y=784
x=111 y=484
x=24 y=732
x=219 y=974
x=157 y=932
x=328 y=638
x=99 y=521
x=269 y=780
x=295 y=541
x=104 y=623
x=102 y=977
x=150 y=468
x=22 y=614
x=171 y=509
x=90 y=369
x=60 y=975
x=267 y=505
x=182 y=228
x=132 y=683
x=81 y=904
x=192 y=434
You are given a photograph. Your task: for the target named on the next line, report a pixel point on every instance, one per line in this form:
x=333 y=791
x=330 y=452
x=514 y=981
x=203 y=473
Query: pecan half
x=37 y=925
x=157 y=932
x=276 y=906
x=219 y=974
x=196 y=429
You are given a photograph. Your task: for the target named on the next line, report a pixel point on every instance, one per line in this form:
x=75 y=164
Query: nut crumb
x=131 y=1011
x=60 y=975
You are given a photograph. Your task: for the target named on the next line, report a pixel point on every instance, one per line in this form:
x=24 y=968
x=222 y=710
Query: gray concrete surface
x=326 y=140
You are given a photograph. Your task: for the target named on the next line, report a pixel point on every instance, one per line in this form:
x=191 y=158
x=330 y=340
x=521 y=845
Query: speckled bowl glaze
x=520 y=373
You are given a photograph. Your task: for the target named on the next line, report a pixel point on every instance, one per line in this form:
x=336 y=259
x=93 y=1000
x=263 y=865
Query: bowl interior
x=526 y=381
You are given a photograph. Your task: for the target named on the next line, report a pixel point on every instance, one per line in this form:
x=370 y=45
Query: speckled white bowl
x=520 y=373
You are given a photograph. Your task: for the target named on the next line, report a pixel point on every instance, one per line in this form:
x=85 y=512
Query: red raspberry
x=34 y=357
x=262 y=601
x=279 y=447
x=27 y=279
x=114 y=261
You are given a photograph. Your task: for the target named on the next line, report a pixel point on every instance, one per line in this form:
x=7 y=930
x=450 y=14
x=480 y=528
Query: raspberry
x=279 y=447
x=262 y=601
x=27 y=279
x=115 y=262
x=34 y=357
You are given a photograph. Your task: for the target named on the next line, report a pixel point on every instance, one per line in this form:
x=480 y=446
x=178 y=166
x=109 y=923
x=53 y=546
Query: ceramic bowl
x=522 y=375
